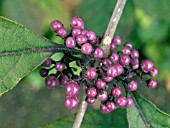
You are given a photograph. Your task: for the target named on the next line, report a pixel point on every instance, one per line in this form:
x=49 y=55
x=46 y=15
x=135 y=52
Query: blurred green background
x=145 y=23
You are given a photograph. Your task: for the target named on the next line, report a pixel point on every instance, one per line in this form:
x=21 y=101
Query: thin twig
x=111 y=28
x=105 y=45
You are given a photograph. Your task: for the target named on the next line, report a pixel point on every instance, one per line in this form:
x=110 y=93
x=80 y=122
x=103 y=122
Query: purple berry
x=133 y=85
x=135 y=61
x=92 y=92
x=108 y=79
x=154 y=71
x=83 y=32
x=90 y=100
x=136 y=66
x=114 y=57
x=55 y=25
x=112 y=71
x=98 y=53
x=80 y=39
x=124 y=60
x=116 y=91
x=103 y=96
x=117 y=40
x=71 y=102
x=107 y=62
x=91 y=35
x=91 y=73
x=70 y=42
x=147 y=65
x=129 y=102
x=72 y=89
x=134 y=54
x=51 y=82
x=112 y=46
x=44 y=72
x=126 y=50
x=62 y=32
x=59 y=66
x=128 y=44
x=47 y=62
x=100 y=84
x=63 y=80
x=77 y=23
x=152 y=84
x=119 y=69
x=75 y=32
x=111 y=106
x=121 y=101
x=104 y=109
x=86 y=48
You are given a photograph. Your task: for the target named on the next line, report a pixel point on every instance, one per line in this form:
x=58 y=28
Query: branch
x=105 y=45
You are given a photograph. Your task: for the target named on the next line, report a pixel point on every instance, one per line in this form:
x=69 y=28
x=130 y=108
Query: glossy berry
x=44 y=72
x=119 y=69
x=121 y=101
x=98 y=53
x=72 y=89
x=70 y=42
x=90 y=100
x=103 y=96
x=124 y=60
x=114 y=57
x=152 y=84
x=112 y=71
x=126 y=50
x=63 y=80
x=91 y=73
x=80 y=39
x=91 y=35
x=136 y=66
x=75 y=32
x=154 y=71
x=51 y=82
x=55 y=25
x=116 y=91
x=147 y=65
x=59 y=66
x=128 y=44
x=100 y=84
x=77 y=23
x=92 y=92
x=71 y=102
x=107 y=62
x=135 y=61
x=134 y=54
x=117 y=40
x=133 y=85
x=83 y=32
x=62 y=32
x=112 y=46
x=47 y=62
x=129 y=102
x=108 y=79
x=111 y=106
x=104 y=109
x=86 y=48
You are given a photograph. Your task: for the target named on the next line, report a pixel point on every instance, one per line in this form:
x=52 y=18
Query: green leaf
x=94 y=119
x=36 y=15
x=21 y=51
x=155 y=117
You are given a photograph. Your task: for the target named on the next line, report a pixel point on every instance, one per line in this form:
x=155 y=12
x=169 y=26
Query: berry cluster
x=102 y=78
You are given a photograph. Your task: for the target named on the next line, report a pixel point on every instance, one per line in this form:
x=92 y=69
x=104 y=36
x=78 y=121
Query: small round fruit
x=154 y=71
x=114 y=57
x=91 y=35
x=103 y=96
x=152 y=84
x=129 y=102
x=77 y=23
x=90 y=100
x=71 y=102
x=47 y=62
x=86 y=48
x=117 y=40
x=98 y=53
x=124 y=60
x=92 y=92
x=59 y=66
x=108 y=79
x=134 y=54
x=80 y=39
x=112 y=46
x=112 y=71
x=146 y=65
x=51 y=82
x=55 y=25
x=116 y=91
x=121 y=101
x=119 y=69
x=70 y=42
x=91 y=73
x=75 y=32
x=100 y=84
x=43 y=72
x=104 y=109
x=126 y=50
x=111 y=106
x=133 y=85
x=72 y=89
x=128 y=44
x=63 y=80
x=107 y=62
x=62 y=32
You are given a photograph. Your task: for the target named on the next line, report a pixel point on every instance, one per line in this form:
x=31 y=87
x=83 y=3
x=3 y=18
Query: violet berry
x=126 y=50
x=103 y=96
x=75 y=32
x=117 y=40
x=107 y=62
x=116 y=91
x=104 y=109
x=133 y=85
x=44 y=72
x=77 y=23
x=72 y=89
x=91 y=35
x=112 y=46
x=135 y=61
x=112 y=71
x=80 y=39
x=92 y=92
x=100 y=84
x=108 y=79
x=90 y=100
x=71 y=102
x=55 y=25
x=121 y=101
x=152 y=84
x=63 y=80
x=91 y=73
x=114 y=57
x=47 y=62
x=128 y=44
x=147 y=65
x=98 y=53
x=119 y=69
x=86 y=48
x=111 y=106
x=154 y=71
x=83 y=32
x=136 y=66
x=62 y=32
x=134 y=54
x=124 y=60
x=59 y=66
x=51 y=82
x=70 y=42
x=129 y=102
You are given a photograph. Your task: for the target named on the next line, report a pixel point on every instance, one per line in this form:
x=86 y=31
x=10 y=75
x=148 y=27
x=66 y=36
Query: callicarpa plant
x=111 y=72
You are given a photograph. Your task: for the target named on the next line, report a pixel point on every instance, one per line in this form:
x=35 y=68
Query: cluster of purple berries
x=102 y=77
